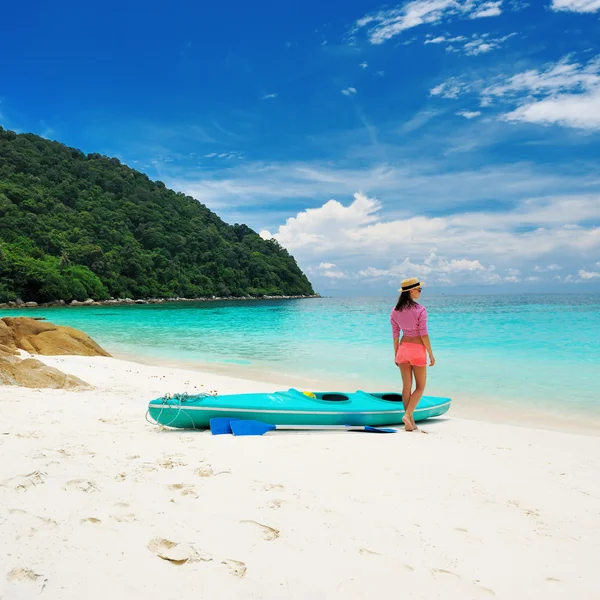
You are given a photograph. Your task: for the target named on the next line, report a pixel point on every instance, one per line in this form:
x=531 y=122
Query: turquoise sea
x=536 y=351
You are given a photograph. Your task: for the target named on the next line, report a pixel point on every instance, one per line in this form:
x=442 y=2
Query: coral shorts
x=414 y=354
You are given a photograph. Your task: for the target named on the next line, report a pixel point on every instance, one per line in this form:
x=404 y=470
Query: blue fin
x=250 y=427
x=220 y=425
x=380 y=429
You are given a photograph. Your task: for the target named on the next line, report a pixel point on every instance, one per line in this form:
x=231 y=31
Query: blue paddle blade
x=249 y=427
x=379 y=429
x=220 y=425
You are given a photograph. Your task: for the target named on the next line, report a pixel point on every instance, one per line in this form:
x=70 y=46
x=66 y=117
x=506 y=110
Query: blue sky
x=454 y=140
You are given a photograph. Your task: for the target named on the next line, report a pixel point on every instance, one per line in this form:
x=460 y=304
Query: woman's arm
x=395 y=334
x=427 y=343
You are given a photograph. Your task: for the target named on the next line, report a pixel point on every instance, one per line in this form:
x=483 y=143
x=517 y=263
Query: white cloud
x=328 y=270
x=440 y=39
x=349 y=91
x=372 y=273
x=363 y=65
x=225 y=155
x=269 y=96
x=570 y=95
x=484 y=43
x=580 y=111
x=563 y=76
x=248 y=186
x=564 y=93
x=477 y=44
x=385 y=24
x=469 y=114
x=433 y=269
x=452 y=89
x=483 y=245
x=487 y=9
x=588 y=274
x=580 y=6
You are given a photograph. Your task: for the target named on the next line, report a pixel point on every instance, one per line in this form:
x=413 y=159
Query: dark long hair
x=405 y=301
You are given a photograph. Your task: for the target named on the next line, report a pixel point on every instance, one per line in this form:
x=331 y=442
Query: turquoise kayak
x=292 y=407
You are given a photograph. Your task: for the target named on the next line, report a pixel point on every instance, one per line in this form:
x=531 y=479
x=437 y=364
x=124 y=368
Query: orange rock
x=42 y=337
x=33 y=373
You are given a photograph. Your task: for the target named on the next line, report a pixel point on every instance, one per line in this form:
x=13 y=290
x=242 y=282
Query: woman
x=411 y=354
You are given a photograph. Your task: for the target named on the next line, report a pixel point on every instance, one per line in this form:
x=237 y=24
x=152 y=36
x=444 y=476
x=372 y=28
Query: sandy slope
x=95 y=502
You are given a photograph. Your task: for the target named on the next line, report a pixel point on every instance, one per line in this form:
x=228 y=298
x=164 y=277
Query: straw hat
x=409 y=284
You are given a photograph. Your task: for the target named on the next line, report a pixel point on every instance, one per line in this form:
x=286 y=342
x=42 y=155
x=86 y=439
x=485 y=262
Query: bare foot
x=408 y=426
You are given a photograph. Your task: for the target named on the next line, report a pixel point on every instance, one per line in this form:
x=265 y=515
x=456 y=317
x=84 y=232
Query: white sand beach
x=96 y=502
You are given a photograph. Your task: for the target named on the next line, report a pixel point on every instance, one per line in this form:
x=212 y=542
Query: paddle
x=220 y=425
x=249 y=427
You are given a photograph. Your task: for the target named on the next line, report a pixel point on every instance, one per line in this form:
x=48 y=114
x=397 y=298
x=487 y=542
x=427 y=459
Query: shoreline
x=142 y=301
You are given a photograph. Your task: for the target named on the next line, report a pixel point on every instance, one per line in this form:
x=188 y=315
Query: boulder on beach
x=41 y=337
x=33 y=373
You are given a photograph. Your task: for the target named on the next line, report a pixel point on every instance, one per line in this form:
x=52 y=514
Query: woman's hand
x=431 y=360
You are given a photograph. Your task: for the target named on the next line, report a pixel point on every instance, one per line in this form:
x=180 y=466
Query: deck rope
x=178 y=400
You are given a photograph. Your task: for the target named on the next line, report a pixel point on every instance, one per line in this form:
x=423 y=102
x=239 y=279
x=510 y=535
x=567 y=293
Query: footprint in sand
x=206 y=471
x=24 y=513
x=81 y=485
x=120 y=515
x=236 y=567
x=184 y=489
x=110 y=421
x=268 y=487
x=368 y=552
x=22 y=483
x=127 y=518
x=170 y=462
x=175 y=553
x=148 y=467
x=275 y=504
x=92 y=520
x=268 y=533
x=20 y=574
x=31 y=434
x=32 y=521
x=444 y=573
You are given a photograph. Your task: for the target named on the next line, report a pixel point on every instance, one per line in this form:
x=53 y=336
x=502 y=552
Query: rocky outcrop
x=39 y=337
x=33 y=373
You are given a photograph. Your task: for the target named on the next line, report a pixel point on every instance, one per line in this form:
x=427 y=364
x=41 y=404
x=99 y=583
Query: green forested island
x=76 y=226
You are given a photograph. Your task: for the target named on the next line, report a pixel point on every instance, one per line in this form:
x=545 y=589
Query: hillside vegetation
x=76 y=226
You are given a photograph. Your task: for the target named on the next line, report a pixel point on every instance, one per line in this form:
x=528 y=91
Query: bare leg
x=420 y=379
x=406 y=372
x=407 y=377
